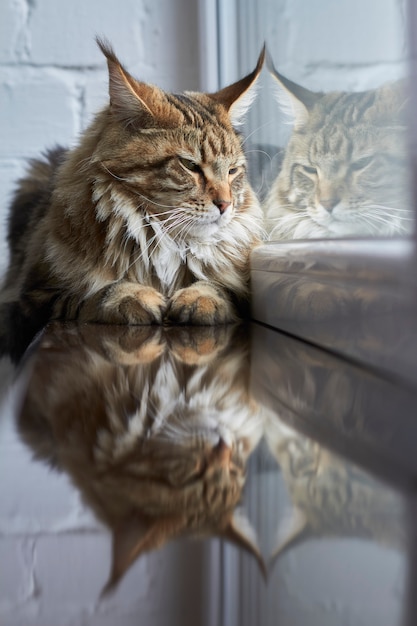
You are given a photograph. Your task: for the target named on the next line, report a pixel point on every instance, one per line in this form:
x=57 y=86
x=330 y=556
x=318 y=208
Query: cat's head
x=158 y=442
x=345 y=167
x=175 y=158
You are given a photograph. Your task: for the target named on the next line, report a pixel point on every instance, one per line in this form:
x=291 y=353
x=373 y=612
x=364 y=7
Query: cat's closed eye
x=309 y=170
x=190 y=165
x=361 y=163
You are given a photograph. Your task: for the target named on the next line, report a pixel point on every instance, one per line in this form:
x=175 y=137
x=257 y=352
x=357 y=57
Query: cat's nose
x=329 y=203
x=222 y=452
x=222 y=205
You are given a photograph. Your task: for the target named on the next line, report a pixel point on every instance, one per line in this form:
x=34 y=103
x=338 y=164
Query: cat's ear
x=130 y=100
x=294 y=100
x=292 y=531
x=240 y=532
x=131 y=539
x=238 y=97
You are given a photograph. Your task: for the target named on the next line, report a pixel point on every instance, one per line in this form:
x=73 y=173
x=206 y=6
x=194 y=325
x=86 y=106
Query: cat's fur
x=345 y=167
x=149 y=219
x=154 y=426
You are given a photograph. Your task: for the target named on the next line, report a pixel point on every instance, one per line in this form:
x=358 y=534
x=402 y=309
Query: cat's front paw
x=200 y=304
x=135 y=304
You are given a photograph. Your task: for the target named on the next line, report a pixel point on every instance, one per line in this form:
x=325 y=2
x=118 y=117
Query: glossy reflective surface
x=228 y=475
x=355 y=298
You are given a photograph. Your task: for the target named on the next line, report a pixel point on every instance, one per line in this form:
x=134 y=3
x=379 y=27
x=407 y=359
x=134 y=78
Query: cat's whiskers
x=252 y=220
x=186 y=226
x=159 y=237
x=264 y=178
x=256 y=130
x=163 y=206
x=387 y=212
x=253 y=150
x=180 y=219
x=142 y=251
x=286 y=223
x=371 y=218
x=398 y=224
x=141 y=254
x=383 y=207
x=293 y=215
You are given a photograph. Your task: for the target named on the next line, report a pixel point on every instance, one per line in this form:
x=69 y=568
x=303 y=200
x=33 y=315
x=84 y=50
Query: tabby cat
x=150 y=218
x=154 y=426
x=345 y=167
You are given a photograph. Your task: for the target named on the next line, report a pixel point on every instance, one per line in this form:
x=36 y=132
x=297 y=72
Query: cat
x=149 y=219
x=154 y=425
x=345 y=167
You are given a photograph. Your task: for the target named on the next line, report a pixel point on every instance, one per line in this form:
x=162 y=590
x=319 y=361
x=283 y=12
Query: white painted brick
x=15 y=578
x=72 y=569
x=38 y=499
x=10 y=23
x=123 y=24
x=172 y=65
x=34 y=498
x=147 y=36
x=70 y=572
x=36 y=111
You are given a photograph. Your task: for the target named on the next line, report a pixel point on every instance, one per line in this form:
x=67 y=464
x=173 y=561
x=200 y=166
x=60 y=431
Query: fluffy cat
x=154 y=426
x=345 y=167
x=150 y=218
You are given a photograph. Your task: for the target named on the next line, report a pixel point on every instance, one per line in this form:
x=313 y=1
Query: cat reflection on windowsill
x=345 y=168
x=153 y=425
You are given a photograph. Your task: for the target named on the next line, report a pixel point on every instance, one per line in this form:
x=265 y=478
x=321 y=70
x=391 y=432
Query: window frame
x=344 y=268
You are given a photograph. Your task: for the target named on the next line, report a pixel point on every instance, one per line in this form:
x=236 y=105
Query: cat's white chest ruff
x=166 y=262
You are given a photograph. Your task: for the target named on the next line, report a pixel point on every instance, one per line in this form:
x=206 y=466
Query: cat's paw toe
x=199 y=306
x=148 y=307
x=138 y=305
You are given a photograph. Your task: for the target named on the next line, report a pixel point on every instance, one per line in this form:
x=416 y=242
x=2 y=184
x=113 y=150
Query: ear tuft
x=129 y=99
x=294 y=100
x=241 y=533
x=238 y=97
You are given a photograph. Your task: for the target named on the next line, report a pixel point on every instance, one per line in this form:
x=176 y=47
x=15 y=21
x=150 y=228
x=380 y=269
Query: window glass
x=327 y=138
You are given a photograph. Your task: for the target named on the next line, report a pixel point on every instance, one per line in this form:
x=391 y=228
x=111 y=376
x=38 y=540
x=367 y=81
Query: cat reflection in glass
x=344 y=171
x=149 y=219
